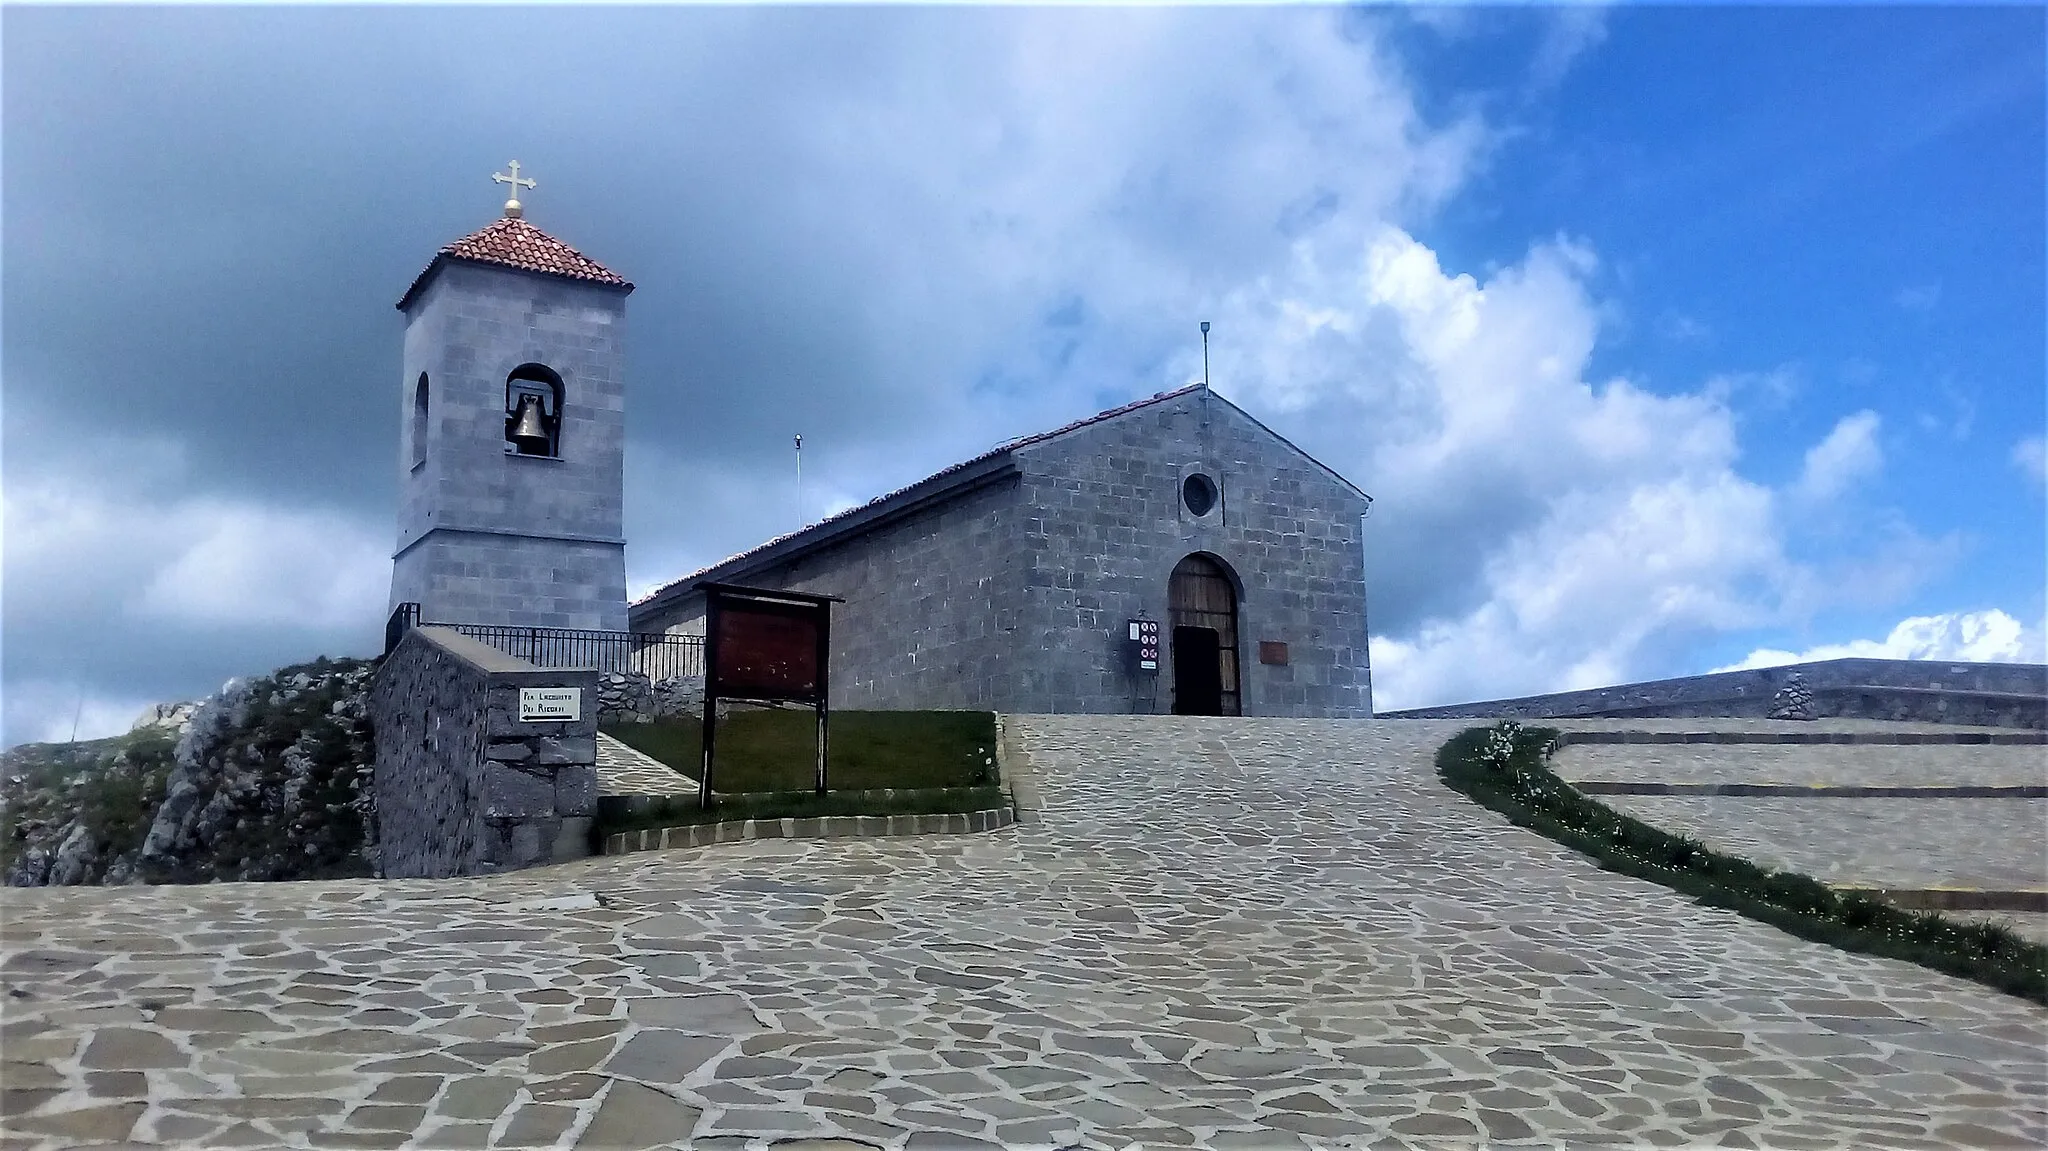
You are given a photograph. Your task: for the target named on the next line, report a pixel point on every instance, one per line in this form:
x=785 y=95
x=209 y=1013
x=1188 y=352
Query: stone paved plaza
x=1222 y=933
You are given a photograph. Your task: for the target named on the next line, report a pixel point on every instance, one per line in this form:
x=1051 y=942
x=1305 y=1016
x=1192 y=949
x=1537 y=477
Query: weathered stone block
x=510 y=793
x=575 y=790
x=566 y=749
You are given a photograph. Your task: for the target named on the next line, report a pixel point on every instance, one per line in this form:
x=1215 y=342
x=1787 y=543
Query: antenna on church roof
x=1205 y=355
x=800 y=520
x=512 y=208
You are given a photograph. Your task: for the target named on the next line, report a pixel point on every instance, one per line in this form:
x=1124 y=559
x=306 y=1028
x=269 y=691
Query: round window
x=1199 y=493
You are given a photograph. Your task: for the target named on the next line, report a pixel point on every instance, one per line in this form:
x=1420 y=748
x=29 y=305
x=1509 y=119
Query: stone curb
x=1956 y=898
x=1817 y=790
x=1871 y=738
x=1013 y=767
x=811 y=827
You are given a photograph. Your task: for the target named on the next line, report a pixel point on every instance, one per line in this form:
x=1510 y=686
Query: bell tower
x=512 y=461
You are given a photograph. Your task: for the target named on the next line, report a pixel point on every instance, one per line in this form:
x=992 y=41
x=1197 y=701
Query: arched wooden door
x=1202 y=612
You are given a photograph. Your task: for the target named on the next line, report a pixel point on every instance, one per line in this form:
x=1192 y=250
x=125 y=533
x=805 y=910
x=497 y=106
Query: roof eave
x=1333 y=473
x=420 y=283
x=919 y=497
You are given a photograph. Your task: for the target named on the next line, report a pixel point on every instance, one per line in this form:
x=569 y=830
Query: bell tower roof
x=511 y=242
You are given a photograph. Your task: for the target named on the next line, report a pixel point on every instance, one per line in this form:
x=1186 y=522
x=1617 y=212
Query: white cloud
x=1849 y=454
x=1681 y=328
x=1918 y=297
x=2030 y=456
x=1768 y=390
x=200 y=561
x=1565 y=526
x=242 y=564
x=1570 y=32
x=42 y=711
x=1989 y=636
x=120 y=582
x=1960 y=418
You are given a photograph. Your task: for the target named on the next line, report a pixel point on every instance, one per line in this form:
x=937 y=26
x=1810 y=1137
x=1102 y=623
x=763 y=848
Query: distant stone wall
x=631 y=697
x=464 y=787
x=1919 y=691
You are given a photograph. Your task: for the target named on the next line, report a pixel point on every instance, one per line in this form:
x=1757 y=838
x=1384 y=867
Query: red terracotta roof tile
x=511 y=242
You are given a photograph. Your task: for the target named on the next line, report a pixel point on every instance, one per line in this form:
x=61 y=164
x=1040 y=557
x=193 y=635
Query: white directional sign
x=550 y=703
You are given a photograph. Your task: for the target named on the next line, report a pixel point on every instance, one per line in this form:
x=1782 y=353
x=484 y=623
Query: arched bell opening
x=1202 y=612
x=533 y=411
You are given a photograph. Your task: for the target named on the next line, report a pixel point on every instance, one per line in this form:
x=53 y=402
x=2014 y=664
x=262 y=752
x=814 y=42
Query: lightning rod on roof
x=800 y=480
x=1205 y=355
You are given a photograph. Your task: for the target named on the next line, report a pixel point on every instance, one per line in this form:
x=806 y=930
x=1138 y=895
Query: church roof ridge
x=512 y=242
x=678 y=586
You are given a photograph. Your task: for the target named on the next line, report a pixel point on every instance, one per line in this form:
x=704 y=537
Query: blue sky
x=1852 y=200
x=1667 y=339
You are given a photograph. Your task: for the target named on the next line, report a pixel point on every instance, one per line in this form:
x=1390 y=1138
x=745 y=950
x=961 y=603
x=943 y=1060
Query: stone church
x=1170 y=555
x=1011 y=582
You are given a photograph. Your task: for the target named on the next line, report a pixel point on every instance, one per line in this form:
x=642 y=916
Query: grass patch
x=776 y=750
x=1505 y=768
x=678 y=812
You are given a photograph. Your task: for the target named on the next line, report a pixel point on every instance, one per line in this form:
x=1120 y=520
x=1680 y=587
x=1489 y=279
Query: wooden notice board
x=767 y=646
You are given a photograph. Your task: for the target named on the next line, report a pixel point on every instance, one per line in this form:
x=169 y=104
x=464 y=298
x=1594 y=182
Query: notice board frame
x=723 y=600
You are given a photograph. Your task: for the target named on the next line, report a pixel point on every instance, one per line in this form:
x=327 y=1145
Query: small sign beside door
x=550 y=704
x=1143 y=643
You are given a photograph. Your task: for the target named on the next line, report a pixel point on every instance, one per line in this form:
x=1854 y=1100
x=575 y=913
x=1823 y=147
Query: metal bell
x=528 y=433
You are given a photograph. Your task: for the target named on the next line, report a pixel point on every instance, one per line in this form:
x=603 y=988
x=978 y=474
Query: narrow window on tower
x=533 y=411
x=419 y=421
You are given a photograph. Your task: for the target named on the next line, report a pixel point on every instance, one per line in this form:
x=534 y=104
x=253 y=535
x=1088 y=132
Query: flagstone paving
x=1221 y=933
x=623 y=771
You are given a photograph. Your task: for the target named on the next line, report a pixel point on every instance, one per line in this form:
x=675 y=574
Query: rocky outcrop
x=269 y=778
x=173 y=717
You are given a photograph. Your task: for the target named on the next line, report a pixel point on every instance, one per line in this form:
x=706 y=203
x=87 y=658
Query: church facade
x=1015 y=581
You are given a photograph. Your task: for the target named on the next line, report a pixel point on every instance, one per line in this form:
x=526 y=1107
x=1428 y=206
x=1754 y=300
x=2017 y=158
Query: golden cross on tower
x=512 y=202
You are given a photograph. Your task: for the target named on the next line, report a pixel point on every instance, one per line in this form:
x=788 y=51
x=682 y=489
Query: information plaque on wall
x=550 y=704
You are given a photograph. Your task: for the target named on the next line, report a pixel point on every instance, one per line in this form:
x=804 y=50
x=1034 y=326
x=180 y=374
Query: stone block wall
x=1921 y=691
x=464 y=787
x=523 y=581
x=931 y=606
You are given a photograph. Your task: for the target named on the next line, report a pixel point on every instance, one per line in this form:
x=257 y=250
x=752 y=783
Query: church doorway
x=1202 y=611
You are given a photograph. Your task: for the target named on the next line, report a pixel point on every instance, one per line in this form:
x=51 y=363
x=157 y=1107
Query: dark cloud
x=906 y=233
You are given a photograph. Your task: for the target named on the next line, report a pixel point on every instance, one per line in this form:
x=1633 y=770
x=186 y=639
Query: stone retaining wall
x=464 y=787
x=815 y=827
x=1919 y=691
x=1871 y=738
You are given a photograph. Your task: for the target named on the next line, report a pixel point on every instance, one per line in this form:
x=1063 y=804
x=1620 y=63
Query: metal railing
x=656 y=655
